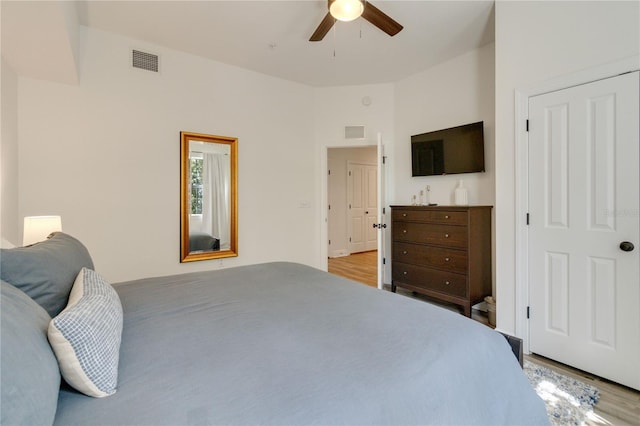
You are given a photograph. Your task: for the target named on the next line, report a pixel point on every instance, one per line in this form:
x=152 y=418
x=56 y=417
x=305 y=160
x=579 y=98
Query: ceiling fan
x=348 y=10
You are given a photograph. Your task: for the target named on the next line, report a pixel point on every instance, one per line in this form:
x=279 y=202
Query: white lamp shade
x=346 y=10
x=38 y=228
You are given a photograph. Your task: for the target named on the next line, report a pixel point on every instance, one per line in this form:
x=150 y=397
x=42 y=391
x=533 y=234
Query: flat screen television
x=455 y=150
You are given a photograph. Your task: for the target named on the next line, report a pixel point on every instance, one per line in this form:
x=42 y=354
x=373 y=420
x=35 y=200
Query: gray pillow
x=46 y=270
x=30 y=375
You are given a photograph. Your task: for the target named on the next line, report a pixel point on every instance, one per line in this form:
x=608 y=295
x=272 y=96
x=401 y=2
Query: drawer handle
x=446 y=283
x=404 y=273
x=404 y=231
x=446 y=217
x=446 y=235
x=446 y=259
x=404 y=215
x=404 y=252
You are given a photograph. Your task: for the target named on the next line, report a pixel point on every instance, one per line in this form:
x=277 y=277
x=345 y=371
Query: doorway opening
x=352 y=188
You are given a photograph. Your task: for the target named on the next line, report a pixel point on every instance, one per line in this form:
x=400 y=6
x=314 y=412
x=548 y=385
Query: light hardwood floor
x=618 y=405
x=361 y=267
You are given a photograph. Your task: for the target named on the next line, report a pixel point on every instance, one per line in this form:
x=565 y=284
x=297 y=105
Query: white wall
x=9 y=191
x=453 y=93
x=337 y=107
x=535 y=42
x=105 y=156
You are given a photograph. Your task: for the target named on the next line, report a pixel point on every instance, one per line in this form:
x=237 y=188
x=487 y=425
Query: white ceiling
x=269 y=37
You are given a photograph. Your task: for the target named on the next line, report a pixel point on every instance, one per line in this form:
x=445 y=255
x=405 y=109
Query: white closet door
x=584 y=280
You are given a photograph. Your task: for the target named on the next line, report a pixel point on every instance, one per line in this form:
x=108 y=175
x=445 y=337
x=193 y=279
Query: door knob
x=626 y=246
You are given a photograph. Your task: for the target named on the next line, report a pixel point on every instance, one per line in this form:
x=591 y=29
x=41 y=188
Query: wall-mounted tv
x=455 y=150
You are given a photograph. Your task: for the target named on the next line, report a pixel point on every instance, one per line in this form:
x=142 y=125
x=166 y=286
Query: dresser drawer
x=451 y=236
x=437 y=257
x=430 y=279
x=432 y=216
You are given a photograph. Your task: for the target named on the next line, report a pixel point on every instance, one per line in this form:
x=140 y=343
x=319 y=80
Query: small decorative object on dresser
x=443 y=252
x=461 y=195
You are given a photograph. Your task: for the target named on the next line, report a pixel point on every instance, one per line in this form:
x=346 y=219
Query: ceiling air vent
x=145 y=61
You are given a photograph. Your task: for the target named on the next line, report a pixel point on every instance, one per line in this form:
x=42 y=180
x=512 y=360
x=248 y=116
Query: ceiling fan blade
x=323 y=28
x=381 y=19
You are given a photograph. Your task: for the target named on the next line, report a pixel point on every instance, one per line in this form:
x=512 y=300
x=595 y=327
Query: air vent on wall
x=144 y=61
x=354 y=132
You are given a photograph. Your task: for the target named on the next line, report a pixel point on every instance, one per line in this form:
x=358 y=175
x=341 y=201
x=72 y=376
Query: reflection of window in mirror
x=195 y=169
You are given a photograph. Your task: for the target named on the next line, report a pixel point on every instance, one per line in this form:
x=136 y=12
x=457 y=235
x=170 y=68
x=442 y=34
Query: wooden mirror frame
x=185 y=211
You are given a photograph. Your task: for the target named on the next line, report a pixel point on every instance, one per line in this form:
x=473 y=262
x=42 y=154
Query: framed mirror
x=208 y=197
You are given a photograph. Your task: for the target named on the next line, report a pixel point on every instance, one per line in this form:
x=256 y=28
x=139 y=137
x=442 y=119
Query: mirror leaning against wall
x=208 y=197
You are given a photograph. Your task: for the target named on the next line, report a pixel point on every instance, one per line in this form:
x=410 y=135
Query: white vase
x=461 y=195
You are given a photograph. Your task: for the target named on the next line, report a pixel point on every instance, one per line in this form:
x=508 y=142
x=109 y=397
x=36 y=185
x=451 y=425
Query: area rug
x=569 y=401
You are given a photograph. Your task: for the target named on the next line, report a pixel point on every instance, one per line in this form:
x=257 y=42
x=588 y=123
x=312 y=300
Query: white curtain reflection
x=216 y=173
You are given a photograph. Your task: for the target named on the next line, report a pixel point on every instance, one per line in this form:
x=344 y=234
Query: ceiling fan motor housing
x=369 y=12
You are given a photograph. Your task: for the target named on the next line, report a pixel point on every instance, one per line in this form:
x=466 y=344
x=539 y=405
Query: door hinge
x=384 y=159
x=349 y=239
x=528 y=312
x=329 y=172
x=384 y=260
x=527 y=124
x=329 y=207
x=527 y=218
x=384 y=211
x=329 y=242
x=349 y=206
x=349 y=172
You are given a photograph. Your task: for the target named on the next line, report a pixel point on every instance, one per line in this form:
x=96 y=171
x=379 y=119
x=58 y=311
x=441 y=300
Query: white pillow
x=86 y=336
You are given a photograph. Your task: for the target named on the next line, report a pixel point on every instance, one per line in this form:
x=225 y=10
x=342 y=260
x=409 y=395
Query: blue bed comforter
x=286 y=344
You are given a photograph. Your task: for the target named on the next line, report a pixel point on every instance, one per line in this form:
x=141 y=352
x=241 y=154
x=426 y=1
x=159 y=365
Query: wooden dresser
x=443 y=252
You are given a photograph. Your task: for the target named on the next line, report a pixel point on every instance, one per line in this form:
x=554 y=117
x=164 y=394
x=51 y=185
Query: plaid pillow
x=86 y=336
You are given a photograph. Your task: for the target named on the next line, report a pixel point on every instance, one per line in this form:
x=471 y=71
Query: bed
x=275 y=343
x=201 y=241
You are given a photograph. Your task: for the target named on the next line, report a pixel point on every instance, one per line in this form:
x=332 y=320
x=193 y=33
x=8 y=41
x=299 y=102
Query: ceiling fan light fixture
x=346 y=10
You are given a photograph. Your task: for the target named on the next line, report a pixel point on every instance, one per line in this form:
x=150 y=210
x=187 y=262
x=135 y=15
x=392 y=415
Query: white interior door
x=584 y=285
x=362 y=207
